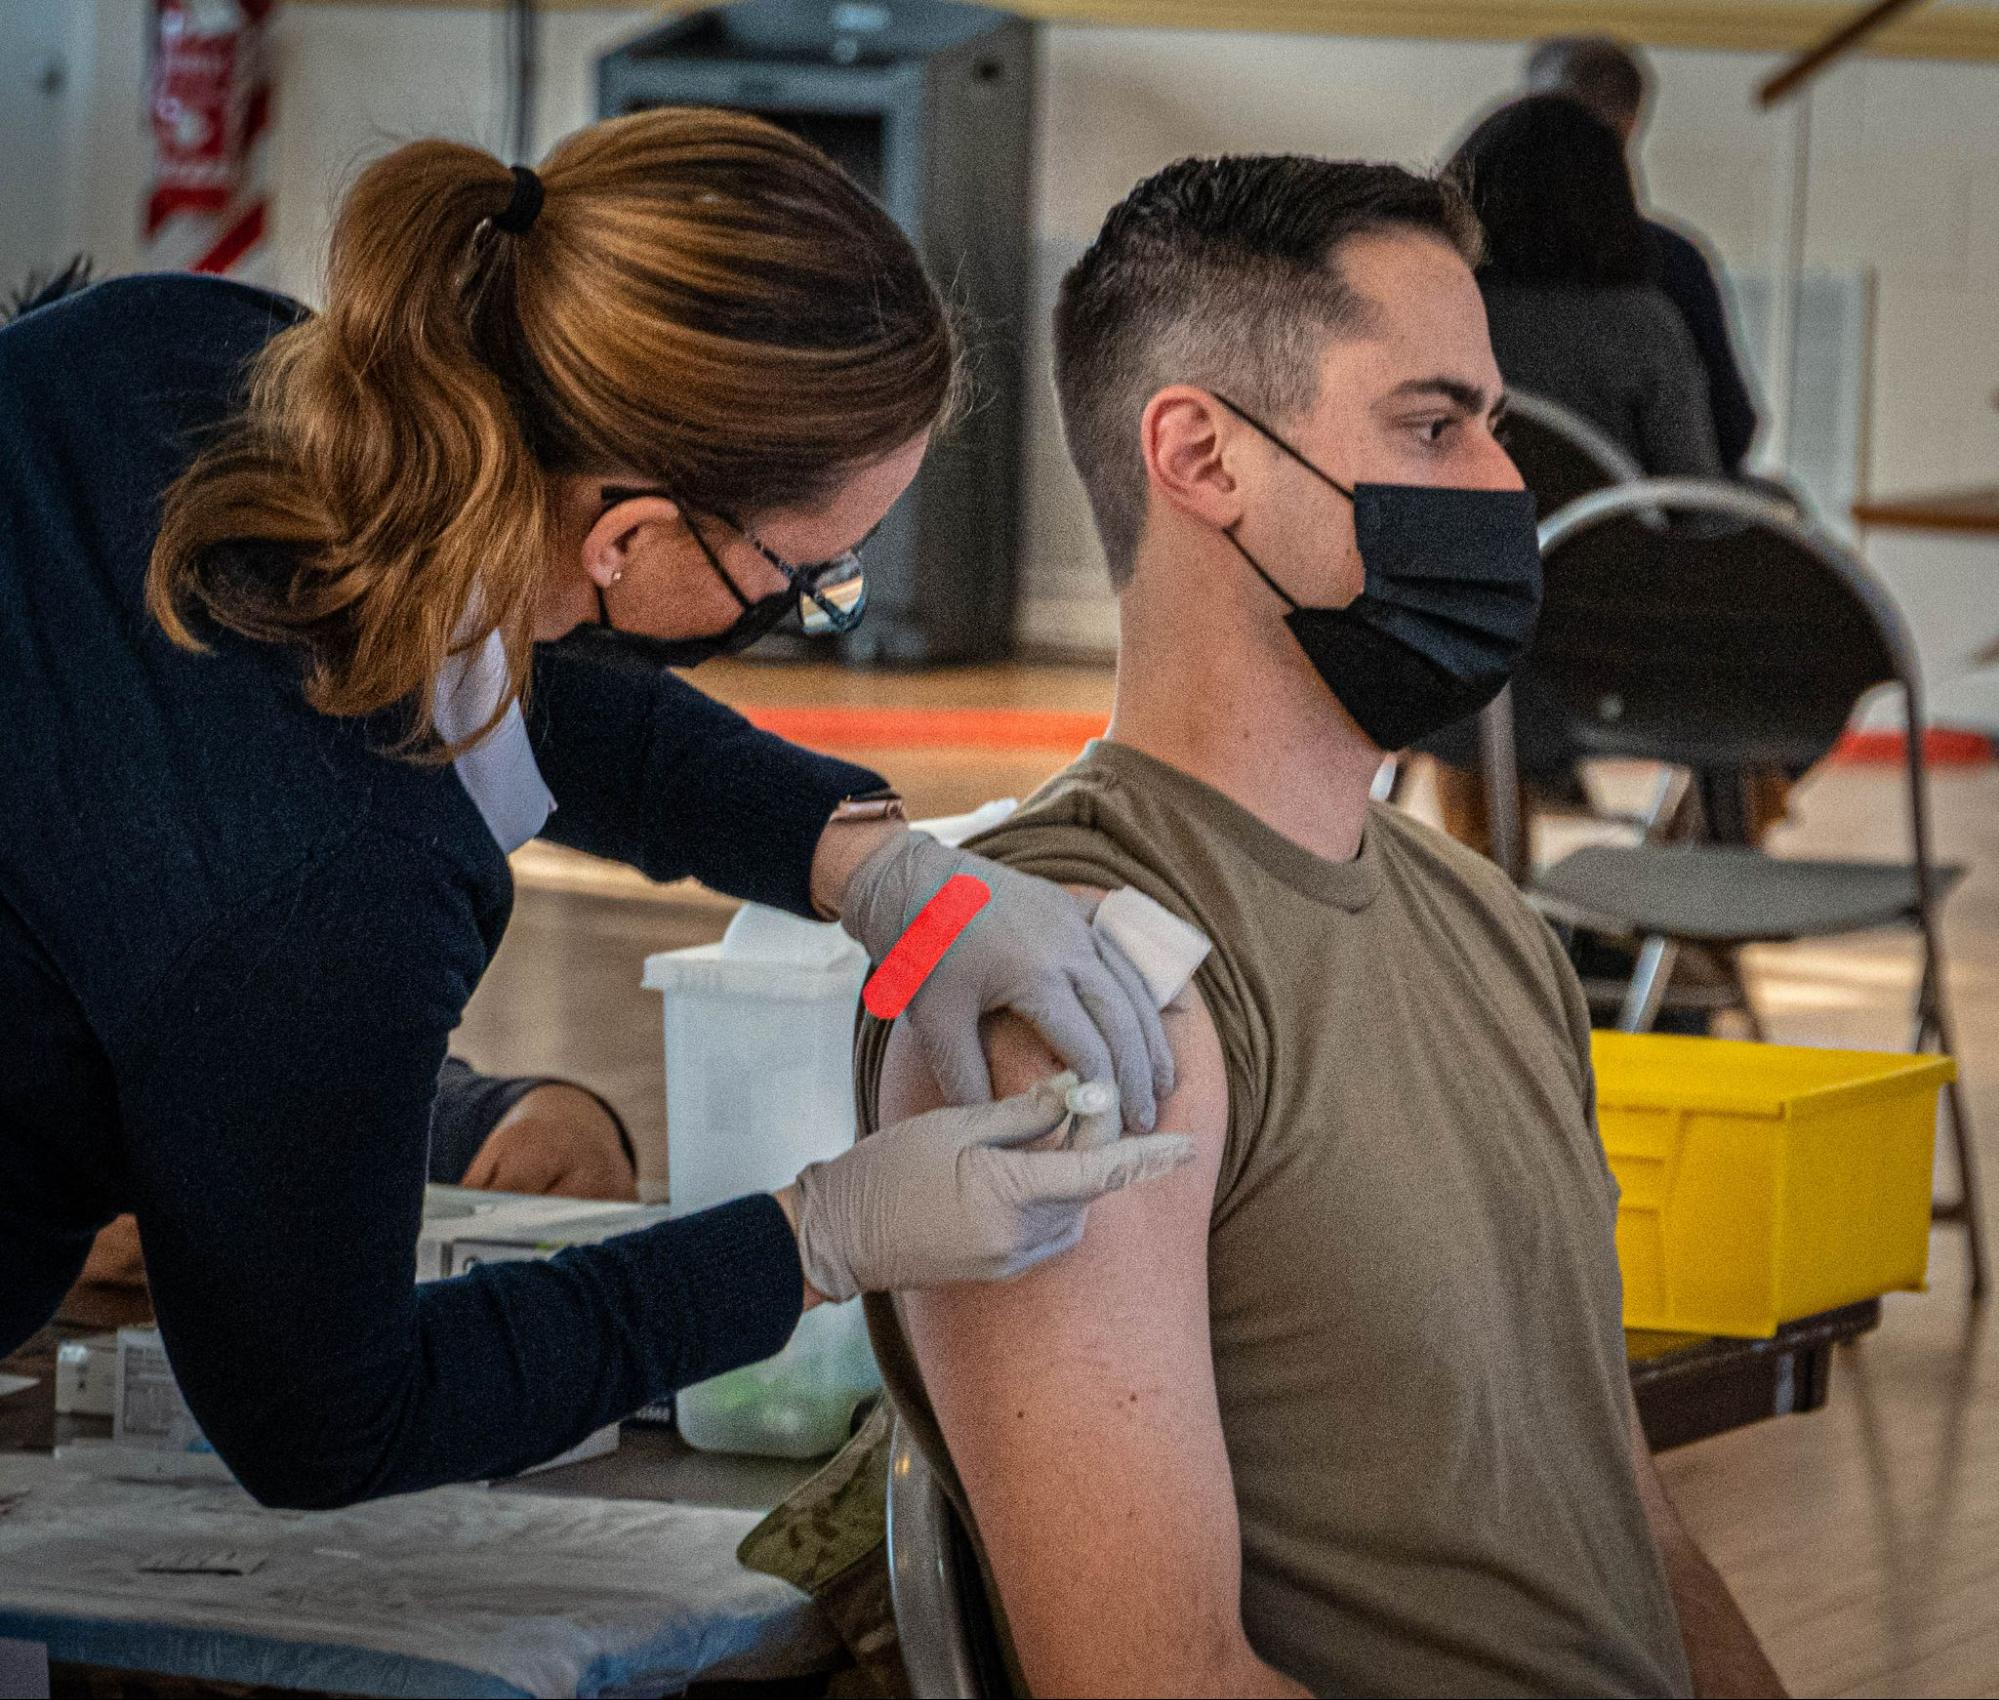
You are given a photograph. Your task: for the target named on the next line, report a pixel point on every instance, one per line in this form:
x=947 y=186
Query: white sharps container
x=760 y=1082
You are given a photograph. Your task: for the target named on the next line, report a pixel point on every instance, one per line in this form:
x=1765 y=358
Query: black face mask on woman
x=1452 y=593
x=759 y=618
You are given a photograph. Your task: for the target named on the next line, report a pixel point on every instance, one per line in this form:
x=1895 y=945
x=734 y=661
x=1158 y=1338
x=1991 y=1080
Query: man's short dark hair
x=1220 y=272
x=1604 y=75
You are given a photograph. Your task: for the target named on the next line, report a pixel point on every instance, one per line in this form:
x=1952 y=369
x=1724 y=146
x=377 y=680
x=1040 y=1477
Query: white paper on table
x=536 y=1595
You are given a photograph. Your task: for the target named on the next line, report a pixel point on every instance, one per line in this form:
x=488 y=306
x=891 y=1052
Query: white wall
x=354 y=80
x=1902 y=181
x=41 y=49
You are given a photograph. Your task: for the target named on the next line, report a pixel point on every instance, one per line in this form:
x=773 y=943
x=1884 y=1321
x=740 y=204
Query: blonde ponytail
x=703 y=300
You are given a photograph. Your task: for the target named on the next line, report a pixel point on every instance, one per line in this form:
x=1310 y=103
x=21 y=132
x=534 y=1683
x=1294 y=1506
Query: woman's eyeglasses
x=832 y=595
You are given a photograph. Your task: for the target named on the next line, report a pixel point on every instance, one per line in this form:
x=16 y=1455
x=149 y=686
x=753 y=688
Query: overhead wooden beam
x=1945 y=30
x=1844 y=40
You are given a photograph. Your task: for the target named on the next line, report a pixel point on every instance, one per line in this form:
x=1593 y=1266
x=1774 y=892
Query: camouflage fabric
x=830 y=1540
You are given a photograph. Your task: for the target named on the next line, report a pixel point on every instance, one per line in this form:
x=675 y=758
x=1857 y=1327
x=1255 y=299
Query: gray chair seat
x=1702 y=626
x=1718 y=894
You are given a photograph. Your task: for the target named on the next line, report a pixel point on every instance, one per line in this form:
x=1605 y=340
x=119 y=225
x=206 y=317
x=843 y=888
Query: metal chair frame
x=933 y=1598
x=1610 y=458
x=1650 y=500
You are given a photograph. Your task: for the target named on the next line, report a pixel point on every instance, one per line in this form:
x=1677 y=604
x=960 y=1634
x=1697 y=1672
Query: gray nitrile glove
x=1029 y=950
x=950 y=1196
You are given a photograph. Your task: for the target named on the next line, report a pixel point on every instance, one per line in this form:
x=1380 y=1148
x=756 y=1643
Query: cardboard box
x=149 y=1412
x=462 y=1229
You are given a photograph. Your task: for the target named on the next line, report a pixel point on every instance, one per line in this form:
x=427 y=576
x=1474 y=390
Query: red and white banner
x=208 y=209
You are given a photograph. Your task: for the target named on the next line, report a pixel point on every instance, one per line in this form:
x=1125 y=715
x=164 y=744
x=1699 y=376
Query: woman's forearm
x=787 y=1201
x=843 y=847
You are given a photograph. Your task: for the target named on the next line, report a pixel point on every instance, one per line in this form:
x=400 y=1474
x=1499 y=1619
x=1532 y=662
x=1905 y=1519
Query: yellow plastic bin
x=1763 y=1183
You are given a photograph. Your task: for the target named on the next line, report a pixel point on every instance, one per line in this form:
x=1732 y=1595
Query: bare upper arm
x=1079 y=1405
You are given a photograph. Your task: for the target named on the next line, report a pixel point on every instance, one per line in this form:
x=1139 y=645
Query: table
x=1692 y=1386
x=1972 y=513
x=1687 y=1388
x=639 y=1585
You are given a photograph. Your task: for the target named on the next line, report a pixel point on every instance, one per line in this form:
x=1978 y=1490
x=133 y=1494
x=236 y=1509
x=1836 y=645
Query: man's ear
x=608 y=546
x=1190 y=447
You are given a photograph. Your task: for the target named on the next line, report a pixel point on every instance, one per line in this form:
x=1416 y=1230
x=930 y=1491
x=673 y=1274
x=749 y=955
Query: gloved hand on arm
x=1030 y=950
x=953 y=1196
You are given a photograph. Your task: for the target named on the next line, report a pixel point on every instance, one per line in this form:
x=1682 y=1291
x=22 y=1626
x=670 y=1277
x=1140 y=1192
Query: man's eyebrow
x=1470 y=397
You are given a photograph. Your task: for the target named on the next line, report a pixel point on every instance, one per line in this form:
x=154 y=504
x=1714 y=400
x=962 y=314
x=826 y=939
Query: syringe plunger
x=1091 y=1098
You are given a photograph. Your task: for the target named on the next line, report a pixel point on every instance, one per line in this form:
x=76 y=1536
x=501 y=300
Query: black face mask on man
x=1452 y=593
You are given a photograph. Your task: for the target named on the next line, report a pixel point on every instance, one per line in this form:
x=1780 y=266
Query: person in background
x=1567 y=283
x=528 y=1133
x=1576 y=316
x=1612 y=81
x=494 y=1132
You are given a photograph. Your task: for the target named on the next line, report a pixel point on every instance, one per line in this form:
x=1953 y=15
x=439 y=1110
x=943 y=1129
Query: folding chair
x=1560 y=454
x=1701 y=625
x=950 y=1644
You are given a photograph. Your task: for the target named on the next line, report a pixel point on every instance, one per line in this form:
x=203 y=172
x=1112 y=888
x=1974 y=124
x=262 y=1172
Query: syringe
x=1091 y=1098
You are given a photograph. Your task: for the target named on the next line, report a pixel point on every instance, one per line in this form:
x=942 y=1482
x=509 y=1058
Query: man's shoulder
x=1463 y=875
x=1073 y=811
x=1407 y=835
x=1475 y=891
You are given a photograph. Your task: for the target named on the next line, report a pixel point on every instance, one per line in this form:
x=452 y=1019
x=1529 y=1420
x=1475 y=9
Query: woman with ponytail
x=307 y=621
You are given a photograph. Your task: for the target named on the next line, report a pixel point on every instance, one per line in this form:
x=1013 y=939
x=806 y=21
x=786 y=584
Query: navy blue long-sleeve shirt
x=235 y=935
x=1687 y=278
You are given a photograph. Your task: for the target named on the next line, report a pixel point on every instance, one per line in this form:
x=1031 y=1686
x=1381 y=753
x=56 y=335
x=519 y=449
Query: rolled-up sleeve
x=648 y=771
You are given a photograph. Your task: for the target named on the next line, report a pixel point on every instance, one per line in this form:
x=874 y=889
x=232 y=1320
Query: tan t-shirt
x=1413 y=1284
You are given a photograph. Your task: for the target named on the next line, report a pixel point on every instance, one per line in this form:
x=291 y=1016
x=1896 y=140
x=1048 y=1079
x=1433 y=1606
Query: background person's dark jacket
x=1617 y=355
x=1687 y=279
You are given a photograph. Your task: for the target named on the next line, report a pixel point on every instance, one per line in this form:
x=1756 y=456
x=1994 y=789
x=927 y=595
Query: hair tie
x=525 y=206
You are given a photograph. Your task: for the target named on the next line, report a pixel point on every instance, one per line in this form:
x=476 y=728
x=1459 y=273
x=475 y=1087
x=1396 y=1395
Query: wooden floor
x=1863 y=1541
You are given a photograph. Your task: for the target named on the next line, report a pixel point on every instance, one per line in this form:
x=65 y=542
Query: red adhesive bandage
x=917 y=953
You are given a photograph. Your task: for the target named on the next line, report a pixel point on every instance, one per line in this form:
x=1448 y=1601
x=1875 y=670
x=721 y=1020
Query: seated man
x=1344 y=1404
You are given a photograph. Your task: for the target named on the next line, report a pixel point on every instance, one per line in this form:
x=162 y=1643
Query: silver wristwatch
x=882 y=803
